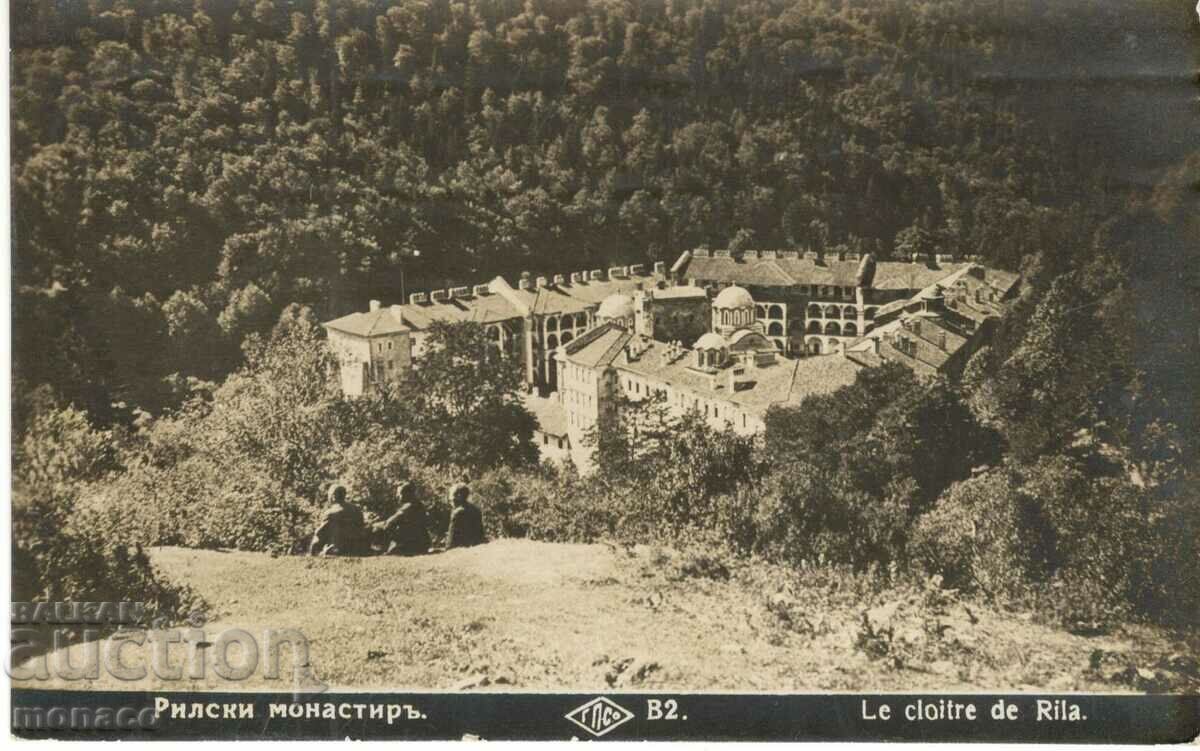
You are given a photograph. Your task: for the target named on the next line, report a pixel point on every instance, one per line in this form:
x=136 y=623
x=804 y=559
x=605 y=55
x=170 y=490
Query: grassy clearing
x=522 y=615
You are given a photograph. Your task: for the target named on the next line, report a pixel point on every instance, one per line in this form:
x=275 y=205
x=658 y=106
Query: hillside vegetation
x=198 y=183
x=519 y=615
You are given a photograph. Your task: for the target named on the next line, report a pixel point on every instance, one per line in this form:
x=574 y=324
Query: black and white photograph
x=605 y=369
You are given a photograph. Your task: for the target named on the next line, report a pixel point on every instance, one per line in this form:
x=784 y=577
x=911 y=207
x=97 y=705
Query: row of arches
x=770 y=311
x=505 y=338
x=833 y=311
x=566 y=321
x=832 y=328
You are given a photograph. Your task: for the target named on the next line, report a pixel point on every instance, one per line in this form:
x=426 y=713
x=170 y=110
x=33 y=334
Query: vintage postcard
x=605 y=369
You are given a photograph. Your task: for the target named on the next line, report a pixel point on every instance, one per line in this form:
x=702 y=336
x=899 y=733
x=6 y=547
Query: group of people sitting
x=345 y=529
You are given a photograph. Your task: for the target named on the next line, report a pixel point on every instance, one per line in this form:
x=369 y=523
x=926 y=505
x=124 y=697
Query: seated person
x=404 y=532
x=466 y=522
x=342 y=530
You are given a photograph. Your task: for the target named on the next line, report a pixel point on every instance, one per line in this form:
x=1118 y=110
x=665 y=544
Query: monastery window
x=849 y=312
x=552 y=324
x=776 y=312
x=775 y=329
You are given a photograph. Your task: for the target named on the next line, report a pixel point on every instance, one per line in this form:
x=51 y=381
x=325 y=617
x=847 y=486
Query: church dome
x=710 y=341
x=733 y=297
x=616 y=307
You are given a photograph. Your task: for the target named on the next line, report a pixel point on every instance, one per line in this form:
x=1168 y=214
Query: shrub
x=1085 y=551
x=985 y=535
x=57 y=556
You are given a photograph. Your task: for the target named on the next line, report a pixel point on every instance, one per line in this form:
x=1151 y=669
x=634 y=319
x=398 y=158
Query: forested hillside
x=197 y=183
x=183 y=170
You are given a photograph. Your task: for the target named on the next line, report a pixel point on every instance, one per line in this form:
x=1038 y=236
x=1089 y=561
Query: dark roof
x=776 y=270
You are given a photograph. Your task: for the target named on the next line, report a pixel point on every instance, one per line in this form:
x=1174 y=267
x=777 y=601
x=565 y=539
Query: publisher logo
x=600 y=716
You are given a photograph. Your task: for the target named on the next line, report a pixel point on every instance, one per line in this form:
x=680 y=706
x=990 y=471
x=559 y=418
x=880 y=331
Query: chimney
x=660 y=268
x=597 y=275
x=737 y=377
x=525 y=284
x=439 y=295
x=542 y=282
x=560 y=280
x=577 y=277
x=460 y=292
x=616 y=272
x=374 y=305
x=398 y=313
x=418 y=298
x=482 y=289
x=637 y=269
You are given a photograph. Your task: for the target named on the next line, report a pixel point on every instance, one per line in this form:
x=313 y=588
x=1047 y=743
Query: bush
x=60 y=556
x=985 y=535
x=1084 y=551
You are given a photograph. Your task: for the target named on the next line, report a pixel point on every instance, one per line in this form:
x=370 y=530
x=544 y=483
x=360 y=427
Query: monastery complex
x=726 y=334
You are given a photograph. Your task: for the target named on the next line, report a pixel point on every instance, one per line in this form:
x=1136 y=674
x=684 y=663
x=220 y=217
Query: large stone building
x=530 y=320
x=371 y=348
x=815 y=304
x=726 y=334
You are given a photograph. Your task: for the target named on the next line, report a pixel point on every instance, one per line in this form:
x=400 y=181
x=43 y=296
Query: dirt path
x=521 y=615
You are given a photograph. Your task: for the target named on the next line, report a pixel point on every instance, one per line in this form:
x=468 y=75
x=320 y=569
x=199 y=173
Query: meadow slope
x=523 y=615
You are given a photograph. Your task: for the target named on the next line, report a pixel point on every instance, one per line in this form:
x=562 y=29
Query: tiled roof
x=782 y=382
x=506 y=303
x=680 y=292
x=934 y=340
x=772 y=272
x=779 y=272
x=374 y=323
x=480 y=309
x=598 y=346
x=905 y=276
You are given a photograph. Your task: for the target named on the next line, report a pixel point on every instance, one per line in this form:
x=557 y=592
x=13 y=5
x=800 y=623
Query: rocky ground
x=521 y=615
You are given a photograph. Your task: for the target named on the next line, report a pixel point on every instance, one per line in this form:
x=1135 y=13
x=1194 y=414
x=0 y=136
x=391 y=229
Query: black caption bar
x=611 y=716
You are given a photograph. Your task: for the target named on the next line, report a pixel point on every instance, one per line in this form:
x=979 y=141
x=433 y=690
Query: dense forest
x=196 y=183
x=183 y=170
